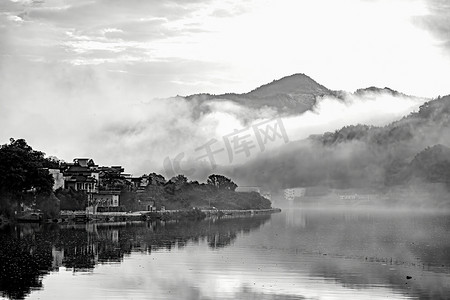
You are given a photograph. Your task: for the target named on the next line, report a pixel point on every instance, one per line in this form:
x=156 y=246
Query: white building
x=58 y=178
x=291 y=194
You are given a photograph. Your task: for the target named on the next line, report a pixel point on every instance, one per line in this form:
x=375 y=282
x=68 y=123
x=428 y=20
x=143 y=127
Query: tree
x=112 y=180
x=156 y=179
x=71 y=199
x=23 y=177
x=52 y=162
x=179 y=180
x=221 y=182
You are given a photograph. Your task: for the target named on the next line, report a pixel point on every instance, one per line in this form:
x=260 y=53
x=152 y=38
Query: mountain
x=297 y=84
x=289 y=95
x=426 y=127
x=412 y=149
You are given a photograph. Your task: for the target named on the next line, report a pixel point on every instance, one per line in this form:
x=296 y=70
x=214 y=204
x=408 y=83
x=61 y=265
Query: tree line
x=25 y=180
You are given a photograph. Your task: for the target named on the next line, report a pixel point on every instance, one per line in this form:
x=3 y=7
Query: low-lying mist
x=79 y=112
x=408 y=159
x=191 y=124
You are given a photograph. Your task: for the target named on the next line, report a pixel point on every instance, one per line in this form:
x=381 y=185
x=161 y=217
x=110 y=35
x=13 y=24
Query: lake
x=299 y=253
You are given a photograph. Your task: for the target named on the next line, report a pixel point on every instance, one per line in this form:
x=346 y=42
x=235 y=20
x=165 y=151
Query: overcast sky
x=67 y=67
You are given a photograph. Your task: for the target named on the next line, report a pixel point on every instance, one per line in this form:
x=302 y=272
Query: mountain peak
x=296 y=93
x=298 y=83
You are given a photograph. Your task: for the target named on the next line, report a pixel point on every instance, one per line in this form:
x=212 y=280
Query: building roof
x=81 y=178
x=77 y=169
x=84 y=162
x=113 y=169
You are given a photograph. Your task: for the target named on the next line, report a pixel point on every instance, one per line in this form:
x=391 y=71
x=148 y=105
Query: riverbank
x=234 y=212
x=193 y=214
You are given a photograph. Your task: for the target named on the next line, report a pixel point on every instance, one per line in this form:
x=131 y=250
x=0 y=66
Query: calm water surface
x=296 y=254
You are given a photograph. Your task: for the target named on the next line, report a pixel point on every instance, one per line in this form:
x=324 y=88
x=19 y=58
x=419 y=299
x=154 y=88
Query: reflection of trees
x=29 y=251
x=218 y=233
x=221 y=236
x=23 y=259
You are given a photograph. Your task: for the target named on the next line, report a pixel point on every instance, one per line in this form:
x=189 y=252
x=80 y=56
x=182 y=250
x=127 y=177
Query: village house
x=81 y=183
x=82 y=175
x=85 y=162
x=101 y=184
x=289 y=194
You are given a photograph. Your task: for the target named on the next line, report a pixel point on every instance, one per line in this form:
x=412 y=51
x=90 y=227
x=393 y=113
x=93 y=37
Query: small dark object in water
x=408 y=277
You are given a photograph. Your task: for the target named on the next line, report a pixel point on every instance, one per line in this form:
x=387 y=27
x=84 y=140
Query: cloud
x=109 y=112
x=104 y=111
x=77 y=78
x=87 y=30
x=437 y=21
x=170 y=127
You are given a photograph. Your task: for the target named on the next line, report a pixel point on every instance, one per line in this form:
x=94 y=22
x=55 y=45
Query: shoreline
x=232 y=212
x=192 y=214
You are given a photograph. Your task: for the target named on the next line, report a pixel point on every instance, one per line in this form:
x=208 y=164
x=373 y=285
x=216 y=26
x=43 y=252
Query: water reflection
x=27 y=252
x=297 y=254
x=394 y=237
x=406 y=251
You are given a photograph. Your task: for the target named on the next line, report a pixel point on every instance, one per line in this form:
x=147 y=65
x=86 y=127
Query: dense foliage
x=23 y=176
x=180 y=193
x=221 y=182
x=71 y=199
x=408 y=149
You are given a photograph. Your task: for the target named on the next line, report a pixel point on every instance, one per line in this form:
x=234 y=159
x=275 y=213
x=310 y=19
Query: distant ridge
x=296 y=93
x=290 y=95
x=374 y=89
